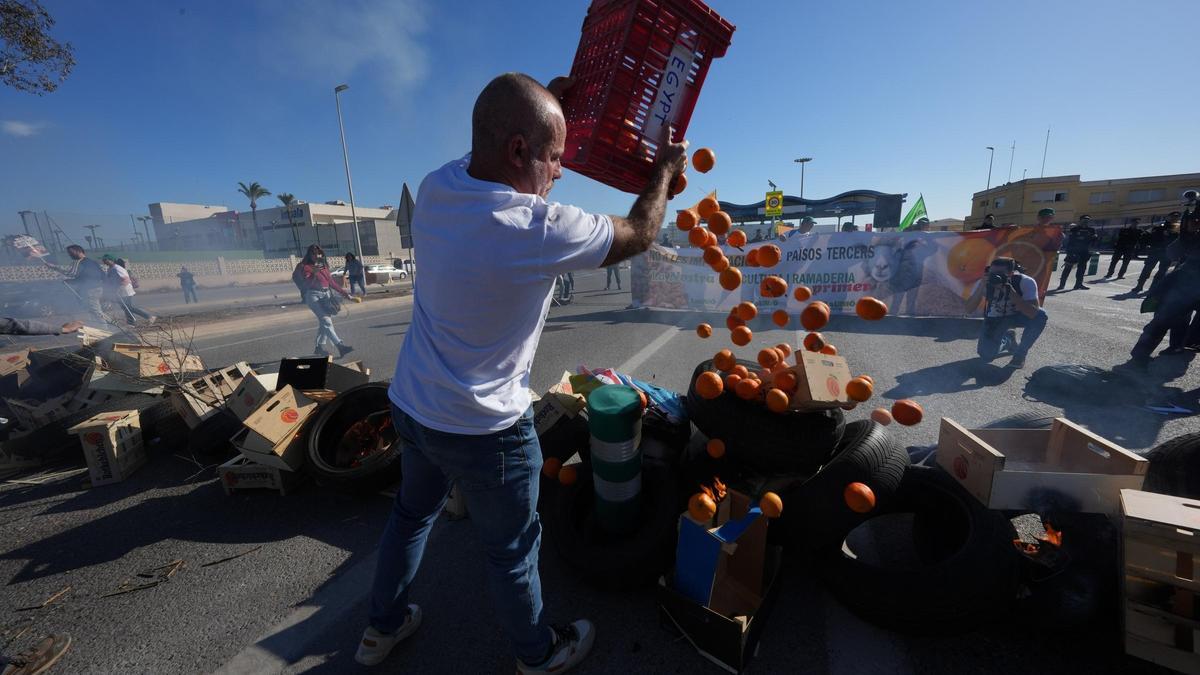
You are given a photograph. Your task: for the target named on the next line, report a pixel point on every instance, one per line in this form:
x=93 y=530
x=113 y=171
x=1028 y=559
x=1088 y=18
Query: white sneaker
x=571 y=645
x=375 y=646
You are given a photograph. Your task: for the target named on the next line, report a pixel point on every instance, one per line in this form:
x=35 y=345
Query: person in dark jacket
x=187 y=281
x=1124 y=248
x=86 y=279
x=1159 y=241
x=10 y=326
x=1079 y=251
x=355 y=273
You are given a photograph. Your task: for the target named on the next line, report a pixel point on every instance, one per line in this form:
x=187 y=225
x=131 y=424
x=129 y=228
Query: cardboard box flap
x=968 y=458
x=280 y=414
x=112 y=418
x=1176 y=512
x=732 y=530
x=820 y=381
x=11 y=362
x=304 y=372
x=1078 y=449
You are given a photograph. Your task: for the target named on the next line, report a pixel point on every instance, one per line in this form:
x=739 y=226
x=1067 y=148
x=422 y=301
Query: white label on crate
x=671 y=92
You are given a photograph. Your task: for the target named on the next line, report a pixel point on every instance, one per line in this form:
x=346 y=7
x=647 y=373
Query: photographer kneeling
x=1012 y=301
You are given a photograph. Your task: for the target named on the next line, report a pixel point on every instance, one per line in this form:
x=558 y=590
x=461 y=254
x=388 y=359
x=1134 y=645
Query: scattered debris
x=157 y=575
x=47 y=601
x=232 y=557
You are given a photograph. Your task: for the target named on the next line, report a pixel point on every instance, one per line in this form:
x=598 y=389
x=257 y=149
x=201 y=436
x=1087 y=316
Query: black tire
x=975 y=582
x=1028 y=419
x=791 y=442
x=609 y=561
x=1175 y=467
x=328 y=428
x=815 y=514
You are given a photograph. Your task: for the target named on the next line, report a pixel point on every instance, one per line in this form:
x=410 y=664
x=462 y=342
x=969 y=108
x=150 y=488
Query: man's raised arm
x=635 y=233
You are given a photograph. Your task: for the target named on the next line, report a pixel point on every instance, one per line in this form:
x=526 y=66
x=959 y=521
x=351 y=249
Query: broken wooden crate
x=200 y=399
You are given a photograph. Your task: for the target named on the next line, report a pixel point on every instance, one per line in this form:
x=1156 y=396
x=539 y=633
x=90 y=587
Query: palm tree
x=288 y=199
x=253 y=192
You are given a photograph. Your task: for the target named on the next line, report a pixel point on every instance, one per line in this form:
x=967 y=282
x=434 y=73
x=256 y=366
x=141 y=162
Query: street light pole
x=802 y=161
x=346 y=160
x=24 y=222
x=146 y=224
x=991 y=156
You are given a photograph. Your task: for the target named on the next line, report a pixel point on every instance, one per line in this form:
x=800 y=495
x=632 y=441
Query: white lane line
x=634 y=362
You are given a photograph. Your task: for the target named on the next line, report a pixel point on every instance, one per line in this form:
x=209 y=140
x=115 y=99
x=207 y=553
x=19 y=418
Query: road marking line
x=272 y=336
x=649 y=350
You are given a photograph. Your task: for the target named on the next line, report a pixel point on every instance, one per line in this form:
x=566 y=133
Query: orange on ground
x=752 y=258
x=551 y=466
x=701 y=507
x=859 y=497
x=736 y=238
x=785 y=348
x=746 y=311
x=769 y=255
x=858 y=389
x=882 y=416
x=715 y=448
x=829 y=349
x=741 y=336
x=704 y=330
x=698 y=237
x=720 y=222
x=767 y=358
x=813 y=342
x=740 y=370
x=771 y=505
x=785 y=380
x=870 y=309
x=687 y=219
x=708 y=206
x=748 y=388
x=731 y=278
x=733 y=321
x=704 y=160
x=568 y=475
x=907 y=412
x=777 y=401
x=815 y=316
x=680 y=184
x=723 y=360
x=709 y=385
x=802 y=293
x=731 y=381
x=712 y=254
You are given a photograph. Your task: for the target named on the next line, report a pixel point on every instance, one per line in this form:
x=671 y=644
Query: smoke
x=20 y=129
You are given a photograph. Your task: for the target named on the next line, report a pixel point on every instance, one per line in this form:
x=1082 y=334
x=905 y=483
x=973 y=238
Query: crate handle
x=1099 y=450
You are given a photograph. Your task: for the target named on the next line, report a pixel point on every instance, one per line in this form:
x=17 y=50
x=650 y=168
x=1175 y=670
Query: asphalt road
x=296 y=604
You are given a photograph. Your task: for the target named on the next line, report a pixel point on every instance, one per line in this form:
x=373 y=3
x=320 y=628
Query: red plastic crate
x=640 y=64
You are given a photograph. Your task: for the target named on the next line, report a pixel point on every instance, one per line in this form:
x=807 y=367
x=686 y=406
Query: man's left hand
x=71 y=326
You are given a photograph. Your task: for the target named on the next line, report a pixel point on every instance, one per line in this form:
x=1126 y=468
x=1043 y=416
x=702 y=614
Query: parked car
x=376 y=274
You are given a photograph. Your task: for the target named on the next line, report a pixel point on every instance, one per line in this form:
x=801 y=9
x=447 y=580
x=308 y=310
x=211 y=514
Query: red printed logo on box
x=289 y=416
x=834 y=387
x=163 y=367
x=14 y=358
x=960 y=467
x=93 y=437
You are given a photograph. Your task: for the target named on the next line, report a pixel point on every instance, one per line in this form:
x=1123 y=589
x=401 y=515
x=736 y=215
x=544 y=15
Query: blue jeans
x=994 y=329
x=360 y=281
x=498 y=475
x=325 y=331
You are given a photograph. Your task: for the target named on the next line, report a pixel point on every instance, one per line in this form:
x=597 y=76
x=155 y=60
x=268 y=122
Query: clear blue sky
x=177 y=101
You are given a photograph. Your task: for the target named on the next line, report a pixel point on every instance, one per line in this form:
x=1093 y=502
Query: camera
x=995 y=279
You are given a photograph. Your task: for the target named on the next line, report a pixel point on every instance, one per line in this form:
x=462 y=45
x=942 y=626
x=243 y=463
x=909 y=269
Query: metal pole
x=346 y=160
x=1011 y=154
x=24 y=222
x=1044 y=151
x=991 y=156
x=41 y=235
x=802 y=179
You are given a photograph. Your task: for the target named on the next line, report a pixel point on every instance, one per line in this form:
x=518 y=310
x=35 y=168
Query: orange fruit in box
x=907 y=412
x=704 y=330
x=715 y=448
x=802 y=293
x=701 y=507
x=698 y=237
x=746 y=311
x=858 y=389
x=551 y=466
x=740 y=371
x=771 y=505
x=748 y=388
x=815 y=316
x=777 y=401
x=712 y=254
x=859 y=497
x=783 y=347
x=737 y=238
x=679 y=185
x=568 y=475
x=767 y=358
x=752 y=258
x=704 y=160
x=733 y=321
x=829 y=350
x=881 y=416
x=769 y=255
x=813 y=342
x=731 y=381
x=731 y=278
x=720 y=222
x=708 y=206
x=870 y=309
x=785 y=380
x=709 y=385
x=741 y=336
x=723 y=360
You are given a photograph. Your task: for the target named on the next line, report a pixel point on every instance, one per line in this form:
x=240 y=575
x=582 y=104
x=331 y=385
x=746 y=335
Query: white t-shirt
x=126 y=286
x=489 y=256
x=1002 y=305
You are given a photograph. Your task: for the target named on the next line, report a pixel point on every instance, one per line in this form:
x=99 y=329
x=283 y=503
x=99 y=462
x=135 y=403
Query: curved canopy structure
x=883 y=206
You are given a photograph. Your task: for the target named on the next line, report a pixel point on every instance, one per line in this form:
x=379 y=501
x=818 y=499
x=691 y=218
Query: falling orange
x=731 y=278
x=723 y=360
x=814 y=341
x=736 y=238
x=829 y=350
x=707 y=207
x=704 y=160
x=698 y=237
x=870 y=309
x=769 y=255
x=859 y=497
x=568 y=475
x=771 y=505
x=815 y=316
x=687 y=219
x=777 y=401
x=907 y=412
x=704 y=330
x=720 y=222
x=701 y=507
x=785 y=380
x=680 y=184
x=752 y=258
x=741 y=336
x=780 y=317
x=715 y=448
x=858 y=389
x=767 y=358
x=802 y=293
x=746 y=311
x=709 y=385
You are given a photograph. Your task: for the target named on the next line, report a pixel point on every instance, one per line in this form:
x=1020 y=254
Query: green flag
x=917 y=211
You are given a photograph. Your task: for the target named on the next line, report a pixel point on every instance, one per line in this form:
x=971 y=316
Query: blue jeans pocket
x=487 y=461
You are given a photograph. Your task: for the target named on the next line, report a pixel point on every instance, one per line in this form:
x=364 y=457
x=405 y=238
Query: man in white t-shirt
x=1012 y=302
x=491 y=247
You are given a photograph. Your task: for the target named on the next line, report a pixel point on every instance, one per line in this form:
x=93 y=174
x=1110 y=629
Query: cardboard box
x=204 y=397
x=320 y=372
x=32 y=415
x=820 y=381
x=1161 y=583
x=152 y=360
x=86 y=398
x=13 y=361
x=724 y=585
x=1065 y=467
x=281 y=414
x=253 y=390
x=101 y=378
x=287 y=454
x=241 y=473
x=112 y=444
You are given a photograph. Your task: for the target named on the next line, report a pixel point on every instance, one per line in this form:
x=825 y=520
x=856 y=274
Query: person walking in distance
x=1079 y=252
x=1012 y=302
x=318 y=288
x=85 y=277
x=1124 y=248
x=120 y=284
x=612 y=272
x=187 y=281
x=493 y=247
x=1158 y=241
x=356 y=274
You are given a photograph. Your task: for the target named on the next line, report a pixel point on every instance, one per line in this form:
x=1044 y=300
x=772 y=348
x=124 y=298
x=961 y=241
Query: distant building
x=1110 y=203
x=946 y=225
x=281 y=231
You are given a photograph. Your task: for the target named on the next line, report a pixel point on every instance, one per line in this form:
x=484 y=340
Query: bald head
x=517 y=134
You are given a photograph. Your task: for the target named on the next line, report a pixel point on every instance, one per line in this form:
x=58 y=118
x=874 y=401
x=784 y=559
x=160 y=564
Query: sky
x=178 y=101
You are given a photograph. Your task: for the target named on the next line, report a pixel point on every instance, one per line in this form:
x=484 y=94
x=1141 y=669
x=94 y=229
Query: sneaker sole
x=400 y=637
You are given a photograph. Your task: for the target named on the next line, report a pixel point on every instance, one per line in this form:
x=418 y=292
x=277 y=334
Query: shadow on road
x=949 y=378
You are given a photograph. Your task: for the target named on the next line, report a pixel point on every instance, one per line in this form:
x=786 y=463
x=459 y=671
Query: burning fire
x=716 y=492
x=363 y=439
x=1052 y=537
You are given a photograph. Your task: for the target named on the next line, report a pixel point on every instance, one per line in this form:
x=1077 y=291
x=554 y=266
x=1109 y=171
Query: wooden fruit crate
x=203 y=397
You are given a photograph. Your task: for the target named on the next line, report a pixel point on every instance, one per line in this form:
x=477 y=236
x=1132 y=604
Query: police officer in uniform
x=1079 y=250
x=1176 y=294
x=1158 y=241
x=1123 y=249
